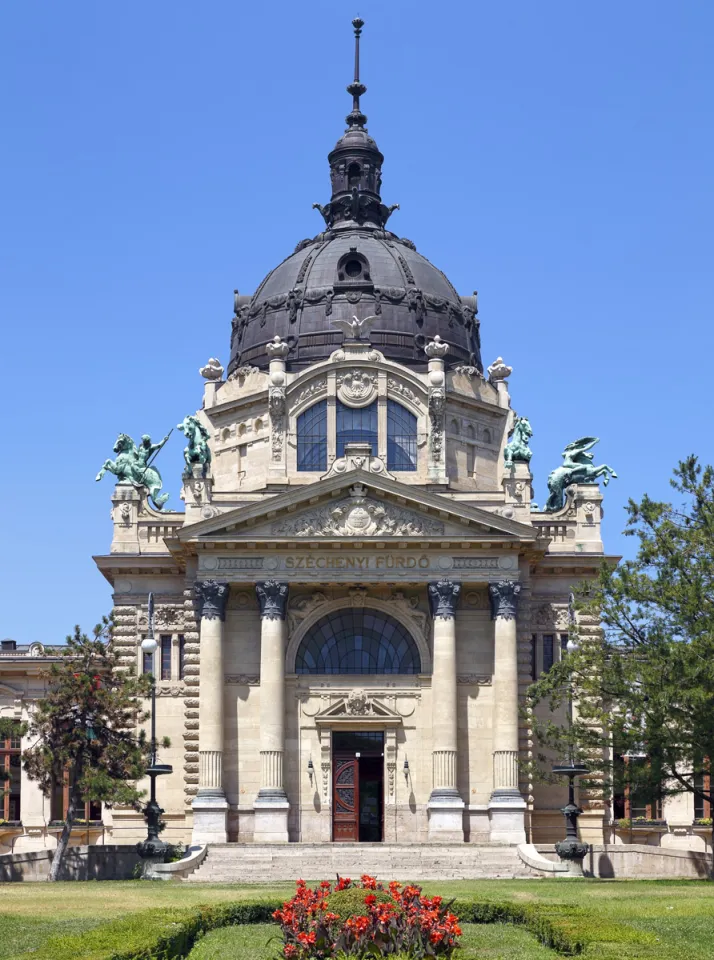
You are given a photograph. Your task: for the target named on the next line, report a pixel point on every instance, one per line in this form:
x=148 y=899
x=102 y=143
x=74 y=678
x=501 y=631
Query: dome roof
x=356 y=267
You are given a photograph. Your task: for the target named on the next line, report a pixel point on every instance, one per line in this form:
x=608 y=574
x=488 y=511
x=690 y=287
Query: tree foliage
x=645 y=687
x=85 y=729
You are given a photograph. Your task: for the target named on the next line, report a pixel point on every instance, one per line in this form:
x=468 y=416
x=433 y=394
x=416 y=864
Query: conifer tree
x=84 y=730
x=646 y=692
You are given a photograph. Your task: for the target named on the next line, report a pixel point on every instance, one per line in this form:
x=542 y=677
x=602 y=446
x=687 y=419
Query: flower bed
x=365 y=919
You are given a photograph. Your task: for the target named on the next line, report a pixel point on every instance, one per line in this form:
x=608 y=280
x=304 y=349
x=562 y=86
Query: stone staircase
x=272 y=863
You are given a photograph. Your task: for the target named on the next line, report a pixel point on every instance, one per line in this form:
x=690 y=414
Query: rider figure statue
x=577 y=467
x=132 y=466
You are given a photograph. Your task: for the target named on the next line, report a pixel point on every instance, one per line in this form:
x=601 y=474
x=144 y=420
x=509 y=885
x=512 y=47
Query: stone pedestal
x=445 y=808
x=271 y=805
x=506 y=807
x=210 y=807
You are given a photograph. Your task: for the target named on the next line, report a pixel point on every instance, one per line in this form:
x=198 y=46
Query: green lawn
x=497 y=941
x=622 y=920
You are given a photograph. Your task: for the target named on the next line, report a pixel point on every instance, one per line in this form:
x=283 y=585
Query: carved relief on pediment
x=359 y=705
x=358 y=516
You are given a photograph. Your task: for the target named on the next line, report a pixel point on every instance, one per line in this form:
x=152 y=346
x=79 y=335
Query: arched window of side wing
x=312 y=438
x=401 y=438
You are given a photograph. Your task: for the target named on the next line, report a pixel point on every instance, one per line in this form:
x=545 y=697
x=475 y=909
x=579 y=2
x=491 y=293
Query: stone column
x=506 y=808
x=271 y=805
x=446 y=808
x=210 y=807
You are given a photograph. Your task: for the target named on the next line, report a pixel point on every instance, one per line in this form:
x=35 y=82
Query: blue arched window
x=356 y=426
x=401 y=438
x=358 y=640
x=312 y=438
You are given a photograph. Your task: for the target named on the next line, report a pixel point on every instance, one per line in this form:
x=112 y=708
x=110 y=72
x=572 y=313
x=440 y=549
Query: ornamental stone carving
x=499 y=370
x=358 y=516
x=211 y=596
x=443 y=599
x=272 y=599
x=277 y=349
x=357 y=388
x=213 y=370
x=504 y=599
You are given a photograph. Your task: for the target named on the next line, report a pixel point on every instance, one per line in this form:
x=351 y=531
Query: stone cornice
x=486 y=525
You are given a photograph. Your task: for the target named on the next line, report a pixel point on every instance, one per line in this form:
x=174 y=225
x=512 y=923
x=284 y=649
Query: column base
x=210 y=816
x=271 y=819
x=446 y=817
x=506 y=814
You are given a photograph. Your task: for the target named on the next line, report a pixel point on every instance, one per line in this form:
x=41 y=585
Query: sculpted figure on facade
x=133 y=465
x=517 y=450
x=197 y=451
x=577 y=467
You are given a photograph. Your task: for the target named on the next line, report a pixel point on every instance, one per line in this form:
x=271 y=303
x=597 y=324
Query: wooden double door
x=357 y=788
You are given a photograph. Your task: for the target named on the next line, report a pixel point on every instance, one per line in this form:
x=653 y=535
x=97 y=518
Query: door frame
x=341 y=756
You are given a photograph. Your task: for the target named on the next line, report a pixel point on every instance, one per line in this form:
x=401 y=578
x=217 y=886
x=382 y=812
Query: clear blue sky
x=555 y=156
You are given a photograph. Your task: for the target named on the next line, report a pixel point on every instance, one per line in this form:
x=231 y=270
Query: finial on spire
x=356 y=118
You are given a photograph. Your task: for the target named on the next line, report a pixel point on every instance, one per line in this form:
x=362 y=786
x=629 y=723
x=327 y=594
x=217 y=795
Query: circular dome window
x=353 y=268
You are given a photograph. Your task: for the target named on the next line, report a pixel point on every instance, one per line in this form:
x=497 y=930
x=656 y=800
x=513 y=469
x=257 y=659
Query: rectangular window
x=166 y=658
x=10 y=785
x=59 y=802
x=548 y=651
x=182 y=656
x=563 y=645
x=534 y=657
x=147 y=662
x=702 y=807
x=356 y=426
x=640 y=804
x=312 y=438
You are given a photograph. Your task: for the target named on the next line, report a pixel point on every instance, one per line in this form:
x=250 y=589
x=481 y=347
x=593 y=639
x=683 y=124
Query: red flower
x=369 y=883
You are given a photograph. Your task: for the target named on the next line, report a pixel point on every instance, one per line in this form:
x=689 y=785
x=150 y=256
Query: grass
x=496 y=941
x=619 y=920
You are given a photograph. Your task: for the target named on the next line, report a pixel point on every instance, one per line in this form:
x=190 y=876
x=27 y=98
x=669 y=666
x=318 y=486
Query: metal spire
x=356 y=88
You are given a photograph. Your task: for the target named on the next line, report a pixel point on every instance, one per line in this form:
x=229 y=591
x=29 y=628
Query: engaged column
x=210 y=807
x=446 y=808
x=271 y=805
x=506 y=808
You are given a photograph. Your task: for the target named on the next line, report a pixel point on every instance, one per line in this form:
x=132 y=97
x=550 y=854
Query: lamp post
x=153 y=846
x=572 y=850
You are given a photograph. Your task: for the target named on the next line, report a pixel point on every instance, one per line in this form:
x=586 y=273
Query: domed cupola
x=355 y=267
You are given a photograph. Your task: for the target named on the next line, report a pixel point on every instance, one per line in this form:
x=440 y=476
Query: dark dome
x=347 y=272
x=356 y=267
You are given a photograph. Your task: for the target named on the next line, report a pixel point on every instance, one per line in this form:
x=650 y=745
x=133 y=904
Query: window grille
x=401 y=438
x=312 y=438
x=356 y=426
x=358 y=641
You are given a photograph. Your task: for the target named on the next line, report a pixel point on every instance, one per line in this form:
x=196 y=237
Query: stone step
x=272 y=863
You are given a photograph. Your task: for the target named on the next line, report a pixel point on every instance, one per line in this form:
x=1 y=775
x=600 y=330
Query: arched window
x=312 y=438
x=358 y=640
x=401 y=438
x=354 y=173
x=356 y=426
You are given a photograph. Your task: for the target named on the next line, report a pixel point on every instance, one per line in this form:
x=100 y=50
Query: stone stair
x=272 y=863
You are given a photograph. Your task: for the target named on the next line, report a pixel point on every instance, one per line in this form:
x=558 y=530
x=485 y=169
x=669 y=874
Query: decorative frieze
x=358 y=516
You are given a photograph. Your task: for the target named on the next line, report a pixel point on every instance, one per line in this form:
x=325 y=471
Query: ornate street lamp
x=572 y=850
x=153 y=846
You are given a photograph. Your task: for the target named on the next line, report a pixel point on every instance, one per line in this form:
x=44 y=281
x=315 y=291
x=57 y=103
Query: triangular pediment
x=356 y=506
x=358 y=706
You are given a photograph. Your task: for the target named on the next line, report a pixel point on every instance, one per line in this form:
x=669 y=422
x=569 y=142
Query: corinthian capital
x=211 y=596
x=504 y=599
x=443 y=599
x=273 y=599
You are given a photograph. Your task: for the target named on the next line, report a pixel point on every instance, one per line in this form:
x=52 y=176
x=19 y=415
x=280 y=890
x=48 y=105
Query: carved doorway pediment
x=357 y=710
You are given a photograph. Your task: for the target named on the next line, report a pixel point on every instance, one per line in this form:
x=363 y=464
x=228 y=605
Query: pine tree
x=85 y=730
x=646 y=690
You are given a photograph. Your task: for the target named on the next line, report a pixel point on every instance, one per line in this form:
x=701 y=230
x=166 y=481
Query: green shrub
x=151 y=934
x=350 y=902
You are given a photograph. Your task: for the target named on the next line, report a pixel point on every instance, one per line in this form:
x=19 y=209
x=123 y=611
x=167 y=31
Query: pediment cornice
x=357 y=505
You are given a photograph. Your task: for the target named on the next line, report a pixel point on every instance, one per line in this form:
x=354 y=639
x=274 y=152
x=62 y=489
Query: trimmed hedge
x=562 y=927
x=171 y=934
x=151 y=934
